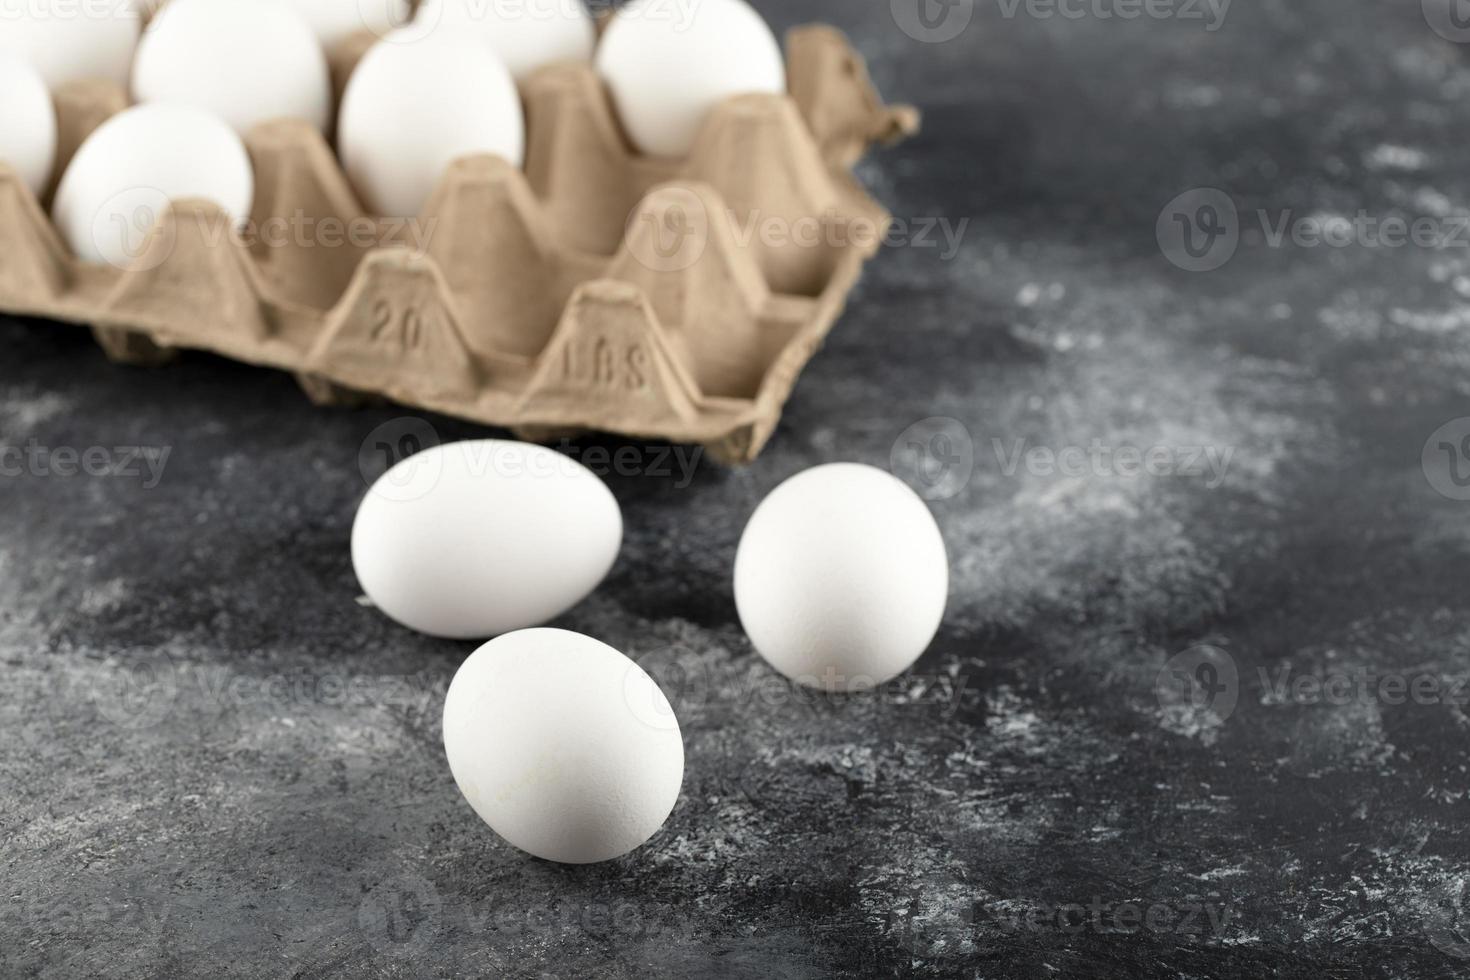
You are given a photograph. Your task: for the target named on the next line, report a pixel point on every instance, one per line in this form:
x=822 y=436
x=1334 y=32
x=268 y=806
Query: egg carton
x=595 y=290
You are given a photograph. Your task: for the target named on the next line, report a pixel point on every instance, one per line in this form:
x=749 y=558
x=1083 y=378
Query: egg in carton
x=597 y=289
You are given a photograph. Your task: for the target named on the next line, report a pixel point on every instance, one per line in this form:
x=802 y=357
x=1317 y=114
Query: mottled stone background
x=214 y=761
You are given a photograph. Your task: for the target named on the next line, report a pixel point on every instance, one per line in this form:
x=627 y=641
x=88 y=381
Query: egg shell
x=66 y=41
x=527 y=34
x=414 y=105
x=125 y=173
x=668 y=65
x=334 y=21
x=563 y=745
x=27 y=123
x=247 y=61
x=841 y=577
x=473 y=539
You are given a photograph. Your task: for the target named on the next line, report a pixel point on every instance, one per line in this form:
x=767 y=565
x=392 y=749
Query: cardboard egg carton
x=596 y=289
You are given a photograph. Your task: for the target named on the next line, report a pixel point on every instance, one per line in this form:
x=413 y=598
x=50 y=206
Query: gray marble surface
x=1197 y=707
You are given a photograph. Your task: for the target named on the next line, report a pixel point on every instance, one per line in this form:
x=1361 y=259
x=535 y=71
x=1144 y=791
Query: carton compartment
x=597 y=289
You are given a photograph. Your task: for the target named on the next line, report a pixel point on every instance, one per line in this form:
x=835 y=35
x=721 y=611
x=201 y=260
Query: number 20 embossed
x=405 y=328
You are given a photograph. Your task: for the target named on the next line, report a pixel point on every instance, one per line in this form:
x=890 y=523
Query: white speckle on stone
x=1390 y=156
x=108 y=595
x=1432 y=322
x=19 y=414
x=1432 y=202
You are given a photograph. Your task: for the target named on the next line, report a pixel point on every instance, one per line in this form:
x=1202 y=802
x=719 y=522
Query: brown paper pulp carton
x=597 y=289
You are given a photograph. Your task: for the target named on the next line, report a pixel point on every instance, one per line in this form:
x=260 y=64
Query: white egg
x=667 y=65
x=473 y=539
x=414 y=105
x=247 y=61
x=125 y=173
x=27 y=123
x=334 y=21
x=66 y=40
x=527 y=34
x=564 y=746
x=841 y=577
